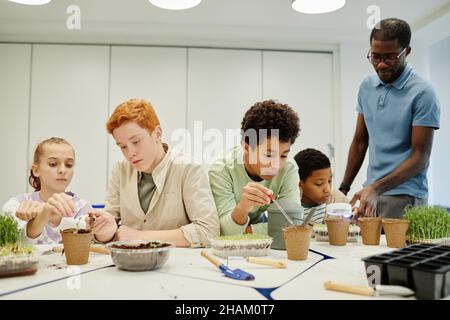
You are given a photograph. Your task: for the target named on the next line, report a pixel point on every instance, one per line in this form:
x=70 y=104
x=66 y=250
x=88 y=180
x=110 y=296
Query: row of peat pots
x=394 y=229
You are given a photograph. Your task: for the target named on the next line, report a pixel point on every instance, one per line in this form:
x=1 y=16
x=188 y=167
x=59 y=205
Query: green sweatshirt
x=227 y=177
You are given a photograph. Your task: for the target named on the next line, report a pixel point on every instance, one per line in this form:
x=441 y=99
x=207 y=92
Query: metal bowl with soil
x=139 y=255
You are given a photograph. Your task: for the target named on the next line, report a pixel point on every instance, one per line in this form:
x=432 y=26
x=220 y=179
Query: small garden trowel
x=237 y=274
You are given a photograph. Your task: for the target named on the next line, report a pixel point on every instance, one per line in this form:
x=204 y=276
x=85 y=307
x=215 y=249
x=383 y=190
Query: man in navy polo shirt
x=398 y=112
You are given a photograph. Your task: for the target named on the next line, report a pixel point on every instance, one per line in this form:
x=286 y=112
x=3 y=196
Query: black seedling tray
x=424 y=268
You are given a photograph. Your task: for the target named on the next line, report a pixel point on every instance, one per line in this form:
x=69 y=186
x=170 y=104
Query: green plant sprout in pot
x=16 y=258
x=429 y=224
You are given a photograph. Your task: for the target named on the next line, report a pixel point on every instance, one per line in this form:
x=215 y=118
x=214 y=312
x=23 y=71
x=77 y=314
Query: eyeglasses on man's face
x=389 y=58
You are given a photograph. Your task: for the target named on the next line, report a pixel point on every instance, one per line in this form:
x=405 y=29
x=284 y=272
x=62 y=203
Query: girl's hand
x=29 y=210
x=62 y=205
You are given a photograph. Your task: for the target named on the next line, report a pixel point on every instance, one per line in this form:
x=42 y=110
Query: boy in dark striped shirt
x=316 y=183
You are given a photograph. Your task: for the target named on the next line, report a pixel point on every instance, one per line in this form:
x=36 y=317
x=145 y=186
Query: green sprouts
x=9 y=230
x=427 y=222
x=16 y=249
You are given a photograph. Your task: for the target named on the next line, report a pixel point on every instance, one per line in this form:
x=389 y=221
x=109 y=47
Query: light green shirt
x=227 y=177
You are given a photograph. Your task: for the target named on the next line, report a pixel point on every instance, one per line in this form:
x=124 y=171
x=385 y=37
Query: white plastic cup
x=340 y=210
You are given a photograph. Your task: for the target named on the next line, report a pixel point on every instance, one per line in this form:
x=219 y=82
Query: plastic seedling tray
x=445 y=257
x=436 y=251
x=400 y=272
x=379 y=263
x=422 y=246
x=424 y=255
x=424 y=268
x=392 y=255
x=407 y=250
x=432 y=279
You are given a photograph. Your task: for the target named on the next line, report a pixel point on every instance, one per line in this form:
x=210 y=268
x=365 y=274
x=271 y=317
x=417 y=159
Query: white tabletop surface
x=189 y=263
x=310 y=286
x=351 y=250
x=51 y=268
x=112 y=283
x=187 y=275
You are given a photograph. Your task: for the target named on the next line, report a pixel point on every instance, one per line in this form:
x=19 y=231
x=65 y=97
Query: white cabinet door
x=222 y=85
x=70 y=100
x=14 y=105
x=439 y=173
x=304 y=81
x=155 y=74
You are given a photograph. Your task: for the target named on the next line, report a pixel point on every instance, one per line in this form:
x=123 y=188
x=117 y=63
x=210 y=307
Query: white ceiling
x=213 y=21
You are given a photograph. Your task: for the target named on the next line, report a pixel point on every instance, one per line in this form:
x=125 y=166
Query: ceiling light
x=175 y=4
x=317 y=6
x=31 y=2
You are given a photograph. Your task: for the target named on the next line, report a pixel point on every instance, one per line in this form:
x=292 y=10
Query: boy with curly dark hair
x=315 y=183
x=243 y=181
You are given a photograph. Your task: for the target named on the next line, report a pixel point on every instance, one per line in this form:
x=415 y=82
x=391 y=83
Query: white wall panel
x=304 y=81
x=439 y=168
x=14 y=106
x=222 y=85
x=153 y=73
x=70 y=100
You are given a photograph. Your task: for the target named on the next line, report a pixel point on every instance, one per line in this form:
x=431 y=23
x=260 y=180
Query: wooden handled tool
x=361 y=290
x=268 y=262
x=378 y=290
x=211 y=259
x=101 y=250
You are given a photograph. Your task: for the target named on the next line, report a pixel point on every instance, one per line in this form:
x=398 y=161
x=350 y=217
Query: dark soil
x=148 y=245
x=81 y=231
